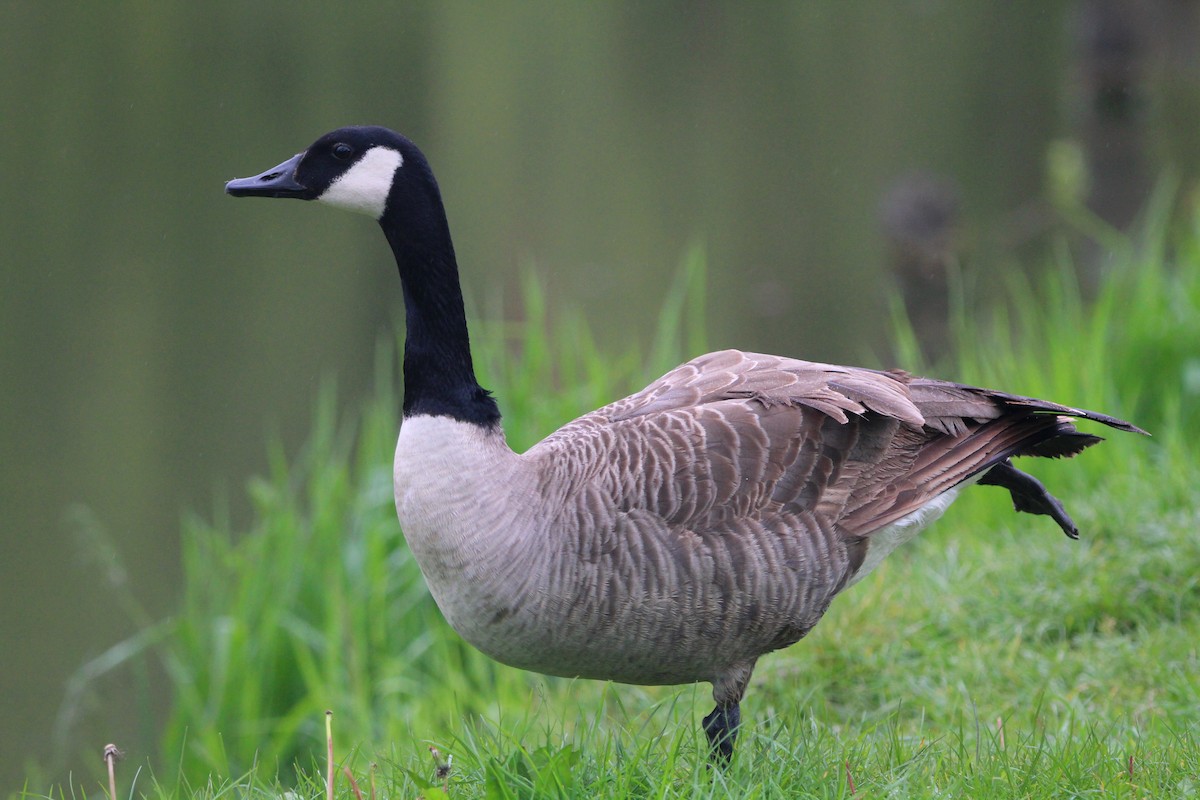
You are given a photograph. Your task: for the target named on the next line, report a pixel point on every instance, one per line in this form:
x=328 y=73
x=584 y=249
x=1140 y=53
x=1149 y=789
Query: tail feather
x=970 y=431
x=948 y=406
x=1064 y=443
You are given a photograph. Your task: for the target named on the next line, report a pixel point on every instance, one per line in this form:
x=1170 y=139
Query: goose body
x=678 y=534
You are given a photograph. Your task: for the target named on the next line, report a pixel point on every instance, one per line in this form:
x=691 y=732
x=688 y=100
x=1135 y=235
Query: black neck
x=439 y=377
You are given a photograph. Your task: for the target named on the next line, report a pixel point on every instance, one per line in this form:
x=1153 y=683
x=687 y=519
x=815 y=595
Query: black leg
x=1029 y=495
x=721 y=729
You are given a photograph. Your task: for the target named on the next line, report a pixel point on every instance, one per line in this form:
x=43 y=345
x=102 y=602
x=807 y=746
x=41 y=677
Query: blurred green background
x=156 y=334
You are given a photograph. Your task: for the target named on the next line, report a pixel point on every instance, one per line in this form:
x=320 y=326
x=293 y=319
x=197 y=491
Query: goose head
x=358 y=168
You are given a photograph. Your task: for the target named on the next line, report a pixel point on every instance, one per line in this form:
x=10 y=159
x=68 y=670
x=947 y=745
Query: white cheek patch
x=365 y=186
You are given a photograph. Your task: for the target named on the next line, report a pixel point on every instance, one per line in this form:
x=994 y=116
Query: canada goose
x=678 y=534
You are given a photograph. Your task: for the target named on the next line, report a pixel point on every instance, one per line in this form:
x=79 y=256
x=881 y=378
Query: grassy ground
x=992 y=658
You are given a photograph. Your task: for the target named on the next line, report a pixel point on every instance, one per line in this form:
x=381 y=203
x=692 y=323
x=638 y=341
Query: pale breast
x=464 y=503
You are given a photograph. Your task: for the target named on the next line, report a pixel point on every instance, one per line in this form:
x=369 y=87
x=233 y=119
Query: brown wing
x=770 y=380
x=734 y=434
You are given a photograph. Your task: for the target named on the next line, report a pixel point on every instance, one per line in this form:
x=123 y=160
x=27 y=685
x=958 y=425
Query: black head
x=353 y=167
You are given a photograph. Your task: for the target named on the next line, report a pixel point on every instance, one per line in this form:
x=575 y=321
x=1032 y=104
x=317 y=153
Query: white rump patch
x=365 y=186
x=884 y=541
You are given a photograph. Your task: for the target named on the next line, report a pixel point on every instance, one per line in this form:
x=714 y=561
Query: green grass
x=991 y=658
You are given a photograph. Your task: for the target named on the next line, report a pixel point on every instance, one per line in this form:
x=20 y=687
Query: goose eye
x=342 y=150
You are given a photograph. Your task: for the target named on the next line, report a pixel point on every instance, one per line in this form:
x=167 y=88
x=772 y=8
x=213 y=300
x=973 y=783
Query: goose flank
x=678 y=534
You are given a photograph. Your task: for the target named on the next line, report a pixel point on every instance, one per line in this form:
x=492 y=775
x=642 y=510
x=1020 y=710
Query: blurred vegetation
x=155 y=330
